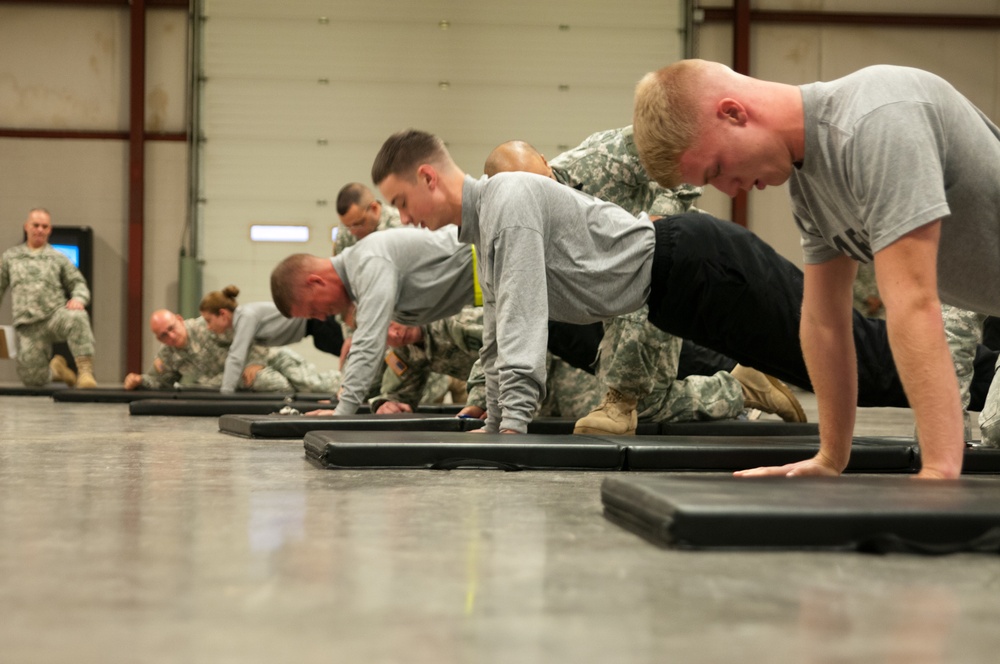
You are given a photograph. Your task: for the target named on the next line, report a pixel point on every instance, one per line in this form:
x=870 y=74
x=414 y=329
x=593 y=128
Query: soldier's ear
x=426 y=173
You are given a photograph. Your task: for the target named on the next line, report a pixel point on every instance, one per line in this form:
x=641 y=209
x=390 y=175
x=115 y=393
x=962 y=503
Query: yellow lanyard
x=475 y=278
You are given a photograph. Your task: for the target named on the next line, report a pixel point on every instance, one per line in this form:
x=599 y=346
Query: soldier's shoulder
x=16 y=250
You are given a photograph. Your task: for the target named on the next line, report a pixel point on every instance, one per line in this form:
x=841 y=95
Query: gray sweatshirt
x=260 y=323
x=409 y=275
x=546 y=251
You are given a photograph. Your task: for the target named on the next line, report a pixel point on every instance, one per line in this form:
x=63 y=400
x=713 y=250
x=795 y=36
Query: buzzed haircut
x=404 y=151
x=285 y=282
x=510 y=156
x=352 y=194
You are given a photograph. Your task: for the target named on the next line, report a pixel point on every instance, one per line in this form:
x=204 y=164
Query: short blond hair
x=666 y=118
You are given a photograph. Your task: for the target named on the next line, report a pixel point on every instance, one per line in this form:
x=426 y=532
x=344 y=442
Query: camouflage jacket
x=450 y=347
x=201 y=362
x=388 y=219
x=41 y=282
x=606 y=165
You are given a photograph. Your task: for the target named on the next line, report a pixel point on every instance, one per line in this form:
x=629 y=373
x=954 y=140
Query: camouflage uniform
x=388 y=219
x=40 y=281
x=203 y=360
x=662 y=398
x=963 y=330
x=451 y=347
x=286 y=367
x=569 y=392
x=637 y=358
x=866 y=287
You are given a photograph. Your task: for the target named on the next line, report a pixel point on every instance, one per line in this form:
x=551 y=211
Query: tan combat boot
x=85 y=380
x=768 y=394
x=615 y=415
x=458 y=390
x=61 y=371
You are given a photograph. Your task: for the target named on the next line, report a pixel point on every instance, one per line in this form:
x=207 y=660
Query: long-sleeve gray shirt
x=257 y=323
x=546 y=251
x=409 y=275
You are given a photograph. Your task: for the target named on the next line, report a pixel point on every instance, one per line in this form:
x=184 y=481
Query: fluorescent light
x=276 y=233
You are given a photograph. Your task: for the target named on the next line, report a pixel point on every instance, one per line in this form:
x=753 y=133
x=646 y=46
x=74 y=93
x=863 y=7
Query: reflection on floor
x=155 y=539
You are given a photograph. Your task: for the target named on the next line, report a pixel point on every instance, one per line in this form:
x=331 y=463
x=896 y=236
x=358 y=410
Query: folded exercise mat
x=443 y=408
x=297 y=426
x=126 y=396
x=978 y=459
x=446 y=451
x=216 y=407
x=564 y=426
x=867 y=513
x=719 y=453
x=738 y=428
x=24 y=391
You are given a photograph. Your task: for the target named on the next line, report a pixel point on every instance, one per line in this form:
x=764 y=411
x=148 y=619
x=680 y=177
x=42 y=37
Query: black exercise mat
x=297 y=426
x=563 y=426
x=719 y=453
x=24 y=391
x=216 y=407
x=127 y=396
x=446 y=451
x=866 y=513
x=739 y=428
x=978 y=459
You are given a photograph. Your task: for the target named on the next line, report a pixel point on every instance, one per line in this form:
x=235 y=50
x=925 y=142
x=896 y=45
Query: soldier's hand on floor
x=132 y=381
x=322 y=411
x=472 y=412
x=817 y=466
x=390 y=407
x=250 y=374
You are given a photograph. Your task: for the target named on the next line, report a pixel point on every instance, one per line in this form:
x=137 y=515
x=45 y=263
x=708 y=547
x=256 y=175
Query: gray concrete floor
x=153 y=539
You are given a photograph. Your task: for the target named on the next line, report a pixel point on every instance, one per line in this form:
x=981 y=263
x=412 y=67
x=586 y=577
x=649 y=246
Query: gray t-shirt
x=408 y=275
x=889 y=149
x=546 y=251
x=257 y=323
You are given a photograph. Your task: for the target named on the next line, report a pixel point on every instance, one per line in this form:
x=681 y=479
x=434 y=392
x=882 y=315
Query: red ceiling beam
x=883 y=20
x=99 y=3
x=136 y=185
x=741 y=63
x=84 y=134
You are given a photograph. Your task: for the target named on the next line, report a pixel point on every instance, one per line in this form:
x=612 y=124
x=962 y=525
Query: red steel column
x=136 y=185
x=741 y=64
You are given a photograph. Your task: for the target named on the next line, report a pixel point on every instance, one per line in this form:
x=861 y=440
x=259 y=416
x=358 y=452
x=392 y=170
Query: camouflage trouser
x=716 y=397
x=963 y=330
x=570 y=392
x=989 y=419
x=635 y=355
x=435 y=389
x=640 y=360
x=287 y=371
x=34 y=343
x=865 y=287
